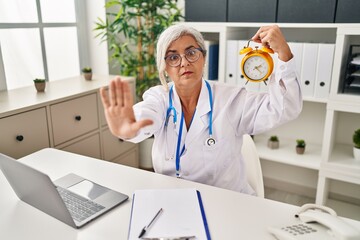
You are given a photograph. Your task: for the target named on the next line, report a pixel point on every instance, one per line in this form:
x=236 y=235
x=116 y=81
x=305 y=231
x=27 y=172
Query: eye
x=191 y=52
x=173 y=57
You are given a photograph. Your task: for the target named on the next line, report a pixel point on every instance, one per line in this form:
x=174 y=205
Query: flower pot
x=87 y=76
x=356 y=152
x=300 y=150
x=273 y=144
x=40 y=86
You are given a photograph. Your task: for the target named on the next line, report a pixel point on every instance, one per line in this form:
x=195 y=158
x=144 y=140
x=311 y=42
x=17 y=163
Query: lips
x=186 y=73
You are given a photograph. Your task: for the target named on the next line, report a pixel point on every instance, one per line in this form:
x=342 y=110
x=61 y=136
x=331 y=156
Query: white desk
x=230 y=215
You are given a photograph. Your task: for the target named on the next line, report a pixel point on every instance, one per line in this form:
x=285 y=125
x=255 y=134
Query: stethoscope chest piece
x=210 y=141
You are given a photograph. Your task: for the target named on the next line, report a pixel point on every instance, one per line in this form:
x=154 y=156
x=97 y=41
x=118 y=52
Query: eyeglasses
x=191 y=55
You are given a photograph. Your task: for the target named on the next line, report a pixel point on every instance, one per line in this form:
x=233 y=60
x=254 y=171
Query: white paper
x=181 y=215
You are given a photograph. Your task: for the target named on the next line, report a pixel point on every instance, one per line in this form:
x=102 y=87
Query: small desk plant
x=40 y=84
x=273 y=142
x=356 y=141
x=300 y=146
x=87 y=72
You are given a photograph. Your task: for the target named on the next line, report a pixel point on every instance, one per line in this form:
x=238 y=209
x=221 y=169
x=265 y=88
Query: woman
x=198 y=125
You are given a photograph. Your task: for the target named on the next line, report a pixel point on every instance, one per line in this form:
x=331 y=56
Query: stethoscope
x=171 y=109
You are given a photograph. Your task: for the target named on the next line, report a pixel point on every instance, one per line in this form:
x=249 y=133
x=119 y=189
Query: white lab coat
x=235 y=112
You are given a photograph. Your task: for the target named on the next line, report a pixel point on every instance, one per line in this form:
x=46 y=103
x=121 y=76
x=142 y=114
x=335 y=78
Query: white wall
x=98 y=53
x=181 y=5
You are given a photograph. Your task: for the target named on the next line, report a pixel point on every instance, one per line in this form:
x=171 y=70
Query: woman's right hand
x=118 y=108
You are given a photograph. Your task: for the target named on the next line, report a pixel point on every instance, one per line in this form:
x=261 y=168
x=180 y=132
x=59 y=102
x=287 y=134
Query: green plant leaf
x=129 y=22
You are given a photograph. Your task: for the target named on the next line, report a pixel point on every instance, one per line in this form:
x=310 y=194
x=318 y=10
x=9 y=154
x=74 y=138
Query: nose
x=185 y=62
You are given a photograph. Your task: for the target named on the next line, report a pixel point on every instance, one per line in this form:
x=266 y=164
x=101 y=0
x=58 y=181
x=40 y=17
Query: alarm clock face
x=256 y=68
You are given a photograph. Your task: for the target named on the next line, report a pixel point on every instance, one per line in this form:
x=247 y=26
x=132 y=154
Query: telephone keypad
x=299 y=229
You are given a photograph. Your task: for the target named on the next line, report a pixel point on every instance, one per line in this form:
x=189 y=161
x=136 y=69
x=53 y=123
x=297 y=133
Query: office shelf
x=286 y=153
x=326 y=124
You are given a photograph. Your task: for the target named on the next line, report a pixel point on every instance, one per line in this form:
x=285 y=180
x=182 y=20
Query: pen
x=143 y=231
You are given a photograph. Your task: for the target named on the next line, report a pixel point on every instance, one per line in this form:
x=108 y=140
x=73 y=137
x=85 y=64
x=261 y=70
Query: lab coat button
x=282 y=67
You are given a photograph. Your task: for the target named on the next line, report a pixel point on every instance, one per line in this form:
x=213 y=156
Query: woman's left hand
x=273 y=38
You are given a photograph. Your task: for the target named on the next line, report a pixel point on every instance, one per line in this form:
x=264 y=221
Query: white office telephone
x=316 y=223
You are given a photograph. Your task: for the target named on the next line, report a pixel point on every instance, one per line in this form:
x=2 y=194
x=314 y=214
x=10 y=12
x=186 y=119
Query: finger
x=128 y=97
x=119 y=92
x=256 y=37
x=260 y=34
x=112 y=93
x=141 y=123
x=104 y=97
x=265 y=41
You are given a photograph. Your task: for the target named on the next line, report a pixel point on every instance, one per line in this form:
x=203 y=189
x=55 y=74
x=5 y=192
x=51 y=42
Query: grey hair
x=169 y=36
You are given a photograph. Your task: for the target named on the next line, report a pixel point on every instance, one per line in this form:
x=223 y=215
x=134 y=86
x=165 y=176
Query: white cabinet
x=73 y=118
x=66 y=116
x=114 y=147
x=328 y=168
x=89 y=146
x=24 y=133
x=129 y=158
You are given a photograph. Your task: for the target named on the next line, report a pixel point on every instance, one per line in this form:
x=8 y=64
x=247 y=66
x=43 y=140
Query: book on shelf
x=211 y=60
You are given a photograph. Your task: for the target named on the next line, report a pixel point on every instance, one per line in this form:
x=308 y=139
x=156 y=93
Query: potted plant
x=300 y=146
x=131 y=30
x=273 y=142
x=356 y=141
x=40 y=84
x=87 y=72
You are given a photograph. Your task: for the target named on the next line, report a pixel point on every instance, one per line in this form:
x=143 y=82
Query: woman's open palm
x=118 y=107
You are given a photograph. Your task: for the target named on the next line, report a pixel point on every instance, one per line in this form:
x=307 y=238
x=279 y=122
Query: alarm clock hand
x=257 y=68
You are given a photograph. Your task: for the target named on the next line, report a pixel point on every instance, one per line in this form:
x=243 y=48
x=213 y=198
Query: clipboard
x=183 y=214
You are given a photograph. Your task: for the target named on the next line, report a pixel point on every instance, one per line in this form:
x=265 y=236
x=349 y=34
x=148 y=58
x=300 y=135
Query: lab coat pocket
x=216 y=157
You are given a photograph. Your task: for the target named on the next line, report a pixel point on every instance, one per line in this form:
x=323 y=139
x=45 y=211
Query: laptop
x=71 y=199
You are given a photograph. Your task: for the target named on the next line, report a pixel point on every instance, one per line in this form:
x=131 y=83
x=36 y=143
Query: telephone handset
x=317 y=223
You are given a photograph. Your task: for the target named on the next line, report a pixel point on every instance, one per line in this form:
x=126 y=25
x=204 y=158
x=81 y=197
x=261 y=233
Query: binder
x=183 y=214
x=231 y=61
x=213 y=61
x=297 y=51
x=324 y=70
x=308 y=68
x=209 y=64
x=241 y=80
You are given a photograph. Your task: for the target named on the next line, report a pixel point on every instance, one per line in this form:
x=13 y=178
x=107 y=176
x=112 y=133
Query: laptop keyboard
x=79 y=207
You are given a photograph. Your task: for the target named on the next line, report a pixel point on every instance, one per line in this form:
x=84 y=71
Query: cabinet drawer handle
x=19 y=138
x=77 y=117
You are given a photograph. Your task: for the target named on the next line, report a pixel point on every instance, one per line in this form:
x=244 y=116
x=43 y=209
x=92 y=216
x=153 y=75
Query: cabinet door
x=89 y=147
x=74 y=118
x=113 y=146
x=24 y=133
x=130 y=159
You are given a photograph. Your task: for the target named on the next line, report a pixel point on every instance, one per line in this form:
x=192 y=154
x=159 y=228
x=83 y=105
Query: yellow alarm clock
x=257 y=65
